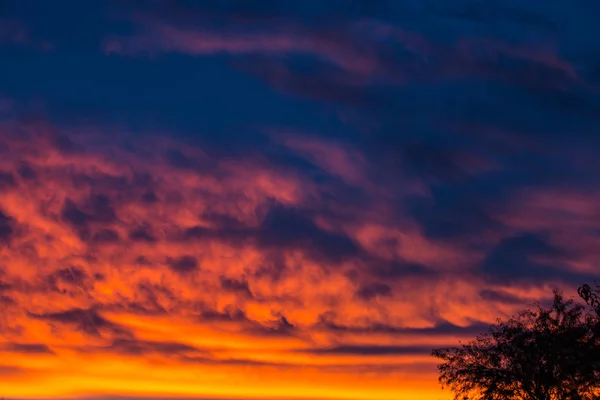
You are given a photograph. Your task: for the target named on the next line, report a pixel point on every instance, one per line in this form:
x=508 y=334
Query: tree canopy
x=549 y=353
x=591 y=296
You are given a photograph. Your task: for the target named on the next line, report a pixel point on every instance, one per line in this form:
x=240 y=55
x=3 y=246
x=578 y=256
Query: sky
x=285 y=199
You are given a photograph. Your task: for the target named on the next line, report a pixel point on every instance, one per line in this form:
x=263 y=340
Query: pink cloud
x=361 y=49
x=161 y=37
x=148 y=258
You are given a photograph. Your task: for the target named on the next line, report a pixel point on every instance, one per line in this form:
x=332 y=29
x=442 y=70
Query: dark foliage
x=543 y=354
x=591 y=296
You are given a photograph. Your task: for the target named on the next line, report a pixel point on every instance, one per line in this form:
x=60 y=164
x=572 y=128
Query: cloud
x=526 y=256
x=72 y=274
x=288 y=227
x=279 y=327
x=142 y=234
x=6 y=227
x=88 y=321
x=453 y=210
x=226 y=315
x=106 y=236
x=421 y=170
x=439 y=329
x=372 y=290
x=120 y=253
x=164 y=37
x=236 y=286
x=281 y=227
x=7 y=181
x=364 y=51
x=500 y=297
x=141 y=347
x=8 y=371
x=73 y=215
x=372 y=350
x=183 y=264
x=26 y=348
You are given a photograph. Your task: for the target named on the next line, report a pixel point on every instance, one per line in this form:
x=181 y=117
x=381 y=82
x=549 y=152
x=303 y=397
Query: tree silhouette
x=544 y=354
x=590 y=296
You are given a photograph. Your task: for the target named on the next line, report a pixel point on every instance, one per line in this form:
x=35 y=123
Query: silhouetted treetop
x=549 y=353
x=591 y=296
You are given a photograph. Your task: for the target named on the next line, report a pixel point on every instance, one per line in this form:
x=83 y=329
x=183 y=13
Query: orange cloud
x=158 y=270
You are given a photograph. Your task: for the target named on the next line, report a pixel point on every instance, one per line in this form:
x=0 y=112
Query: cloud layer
x=441 y=173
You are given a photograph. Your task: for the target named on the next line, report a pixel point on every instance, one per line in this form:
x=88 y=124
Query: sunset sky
x=268 y=199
